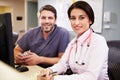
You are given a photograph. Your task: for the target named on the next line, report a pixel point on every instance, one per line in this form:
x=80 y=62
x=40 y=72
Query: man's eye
x=43 y=17
x=50 y=17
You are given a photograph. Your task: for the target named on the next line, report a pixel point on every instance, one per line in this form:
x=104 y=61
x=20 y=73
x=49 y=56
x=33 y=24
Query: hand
x=19 y=59
x=32 y=58
x=45 y=74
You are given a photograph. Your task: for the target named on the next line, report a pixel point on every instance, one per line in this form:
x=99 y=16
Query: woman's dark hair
x=49 y=8
x=84 y=6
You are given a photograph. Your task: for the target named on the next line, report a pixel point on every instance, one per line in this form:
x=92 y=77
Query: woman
x=86 y=54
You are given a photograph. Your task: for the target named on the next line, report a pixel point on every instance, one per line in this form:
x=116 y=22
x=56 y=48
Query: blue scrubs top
x=56 y=42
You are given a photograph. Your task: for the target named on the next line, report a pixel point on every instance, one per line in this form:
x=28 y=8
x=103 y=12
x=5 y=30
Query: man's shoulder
x=34 y=30
x=61 y=29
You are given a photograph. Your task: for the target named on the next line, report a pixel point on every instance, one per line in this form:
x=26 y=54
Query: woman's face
x=79 y=21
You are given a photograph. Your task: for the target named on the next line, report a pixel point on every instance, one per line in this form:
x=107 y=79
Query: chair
x=114 y=60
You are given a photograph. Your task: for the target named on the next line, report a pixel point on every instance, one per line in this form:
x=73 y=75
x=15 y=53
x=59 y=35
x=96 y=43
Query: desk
x=9 y=73
x=32 y=73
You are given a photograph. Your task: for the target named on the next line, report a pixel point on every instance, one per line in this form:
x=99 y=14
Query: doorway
x=32 y=20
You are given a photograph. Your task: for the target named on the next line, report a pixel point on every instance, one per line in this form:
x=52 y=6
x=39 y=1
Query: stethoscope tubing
x=86 y=52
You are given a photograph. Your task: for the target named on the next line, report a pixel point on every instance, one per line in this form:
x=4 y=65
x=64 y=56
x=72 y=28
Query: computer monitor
x=6 y=39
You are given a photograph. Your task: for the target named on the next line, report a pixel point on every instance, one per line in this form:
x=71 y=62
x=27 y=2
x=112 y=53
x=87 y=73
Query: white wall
x=108 y=5
x=113 y=33
x=63 y=5
x=18 y=7
x=62 y=18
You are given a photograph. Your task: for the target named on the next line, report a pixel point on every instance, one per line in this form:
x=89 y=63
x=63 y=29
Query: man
x=42 y=45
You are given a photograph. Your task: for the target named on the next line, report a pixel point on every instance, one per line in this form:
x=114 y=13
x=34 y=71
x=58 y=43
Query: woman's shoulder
x=97 y=35
x=98 y=38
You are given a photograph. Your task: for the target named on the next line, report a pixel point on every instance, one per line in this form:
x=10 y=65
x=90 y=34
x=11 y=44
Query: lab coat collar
x=81 y=38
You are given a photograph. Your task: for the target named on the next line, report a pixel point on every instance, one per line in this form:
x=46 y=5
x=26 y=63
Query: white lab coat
x=95 y=59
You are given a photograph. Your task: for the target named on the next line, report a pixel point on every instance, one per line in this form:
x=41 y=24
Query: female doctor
x=87 y=54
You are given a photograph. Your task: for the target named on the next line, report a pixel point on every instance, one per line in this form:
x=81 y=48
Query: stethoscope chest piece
x=84 y=49
x=80 y=63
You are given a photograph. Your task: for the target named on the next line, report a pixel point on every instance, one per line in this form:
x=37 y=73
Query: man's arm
x=52 y=60
x=33 y=59
x=17 y=51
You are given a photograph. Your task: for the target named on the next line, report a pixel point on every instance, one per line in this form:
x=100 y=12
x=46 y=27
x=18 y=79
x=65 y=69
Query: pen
x=44 y=75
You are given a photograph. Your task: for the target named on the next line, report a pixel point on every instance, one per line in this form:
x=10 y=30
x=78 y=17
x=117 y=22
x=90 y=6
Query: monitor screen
x=6 y=39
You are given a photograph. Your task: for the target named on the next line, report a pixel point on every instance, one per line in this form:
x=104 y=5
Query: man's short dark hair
x=49 y=8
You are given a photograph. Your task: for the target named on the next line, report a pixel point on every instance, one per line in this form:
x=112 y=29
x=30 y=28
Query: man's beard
x=47 y=31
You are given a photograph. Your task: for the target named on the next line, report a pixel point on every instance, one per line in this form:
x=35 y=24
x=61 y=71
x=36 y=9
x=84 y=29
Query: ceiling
x=27 y=0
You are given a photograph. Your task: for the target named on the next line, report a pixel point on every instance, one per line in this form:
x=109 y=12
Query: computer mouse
x=22 y=68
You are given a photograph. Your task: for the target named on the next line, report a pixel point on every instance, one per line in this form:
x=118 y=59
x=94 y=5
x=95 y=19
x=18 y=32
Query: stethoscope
x=88 y=40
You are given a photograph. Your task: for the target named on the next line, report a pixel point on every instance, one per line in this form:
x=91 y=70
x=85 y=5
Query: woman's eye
x=82 y=18
x=77 y=18
x=72 y=18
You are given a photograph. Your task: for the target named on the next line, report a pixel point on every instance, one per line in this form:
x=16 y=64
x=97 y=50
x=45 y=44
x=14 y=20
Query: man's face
x=47 y=20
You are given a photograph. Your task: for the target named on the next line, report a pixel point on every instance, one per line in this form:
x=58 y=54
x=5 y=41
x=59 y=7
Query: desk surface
x=32 y=73
x=8 y=73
